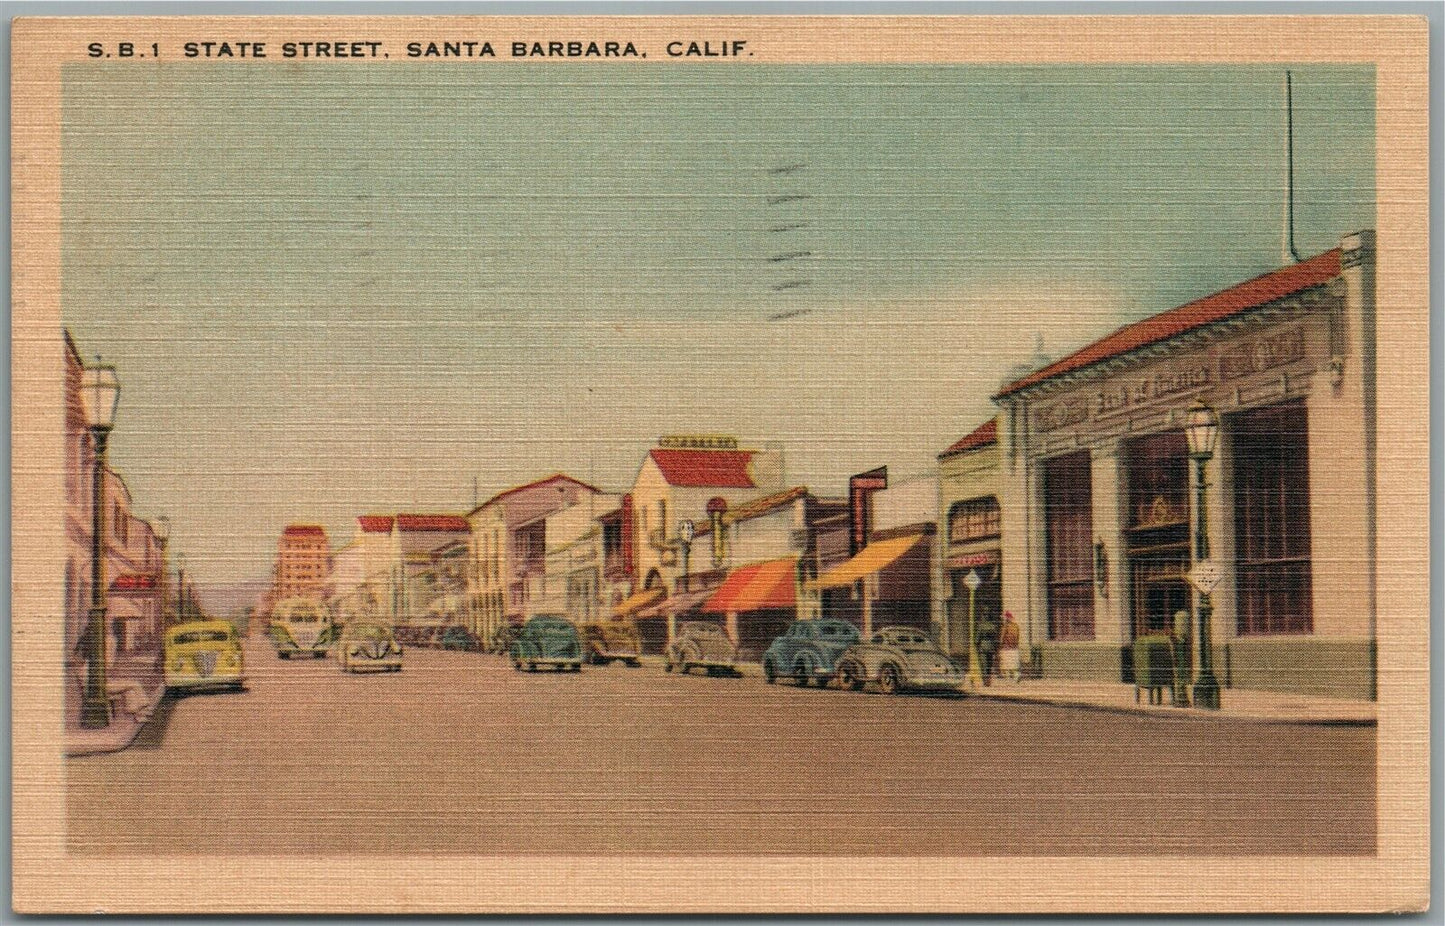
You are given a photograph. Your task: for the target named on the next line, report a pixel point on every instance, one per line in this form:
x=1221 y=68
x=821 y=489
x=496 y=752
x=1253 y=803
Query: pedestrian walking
x=1008 y=647
x=988 y=633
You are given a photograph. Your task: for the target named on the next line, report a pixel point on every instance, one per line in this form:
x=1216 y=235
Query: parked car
x=503 y=638
x=203 y=654
x=898 y=658
x=808 y=650
x=416 y=635
x=701 y=644
x=607 y=641
x=460 y=638
x=548 y=640
x=367 y=647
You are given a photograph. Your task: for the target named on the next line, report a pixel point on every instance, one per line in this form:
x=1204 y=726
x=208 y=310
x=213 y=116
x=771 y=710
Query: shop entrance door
x=1160 y=591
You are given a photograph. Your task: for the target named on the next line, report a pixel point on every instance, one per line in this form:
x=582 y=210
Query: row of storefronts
x=1075 y=510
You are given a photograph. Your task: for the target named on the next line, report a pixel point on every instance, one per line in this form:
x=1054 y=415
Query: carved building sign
x=1119 y=395
x=1262 y=353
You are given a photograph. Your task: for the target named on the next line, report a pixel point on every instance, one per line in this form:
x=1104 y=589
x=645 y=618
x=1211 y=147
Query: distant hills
x=223 y=600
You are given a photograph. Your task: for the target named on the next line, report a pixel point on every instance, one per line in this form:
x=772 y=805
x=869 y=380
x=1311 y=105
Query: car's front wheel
x=890 y=681
x=770 y=674
x=802 y=673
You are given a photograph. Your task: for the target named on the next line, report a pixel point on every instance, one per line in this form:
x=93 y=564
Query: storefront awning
x=869 y=560
x=753 y=588
x=677 y=604
x=638 y=601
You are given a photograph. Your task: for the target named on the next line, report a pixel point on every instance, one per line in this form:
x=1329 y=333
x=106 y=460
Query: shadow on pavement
x=153 y=734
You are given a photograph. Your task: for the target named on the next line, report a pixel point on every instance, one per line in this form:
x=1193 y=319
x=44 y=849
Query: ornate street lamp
x=685 y=532
x=975 y=676
x=1201 y=428
x=99 y=396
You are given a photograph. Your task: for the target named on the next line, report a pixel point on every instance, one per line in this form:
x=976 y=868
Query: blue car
x=807 y=650
x=548 y=640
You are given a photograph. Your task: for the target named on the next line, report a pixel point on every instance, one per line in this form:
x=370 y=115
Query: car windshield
x=913 y=641
x=202 y=636
x=368 y=632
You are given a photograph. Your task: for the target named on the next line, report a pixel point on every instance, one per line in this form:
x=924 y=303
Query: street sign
x=1205 y=576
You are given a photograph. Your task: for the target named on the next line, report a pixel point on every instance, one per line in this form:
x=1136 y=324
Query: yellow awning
x=869 y=560
x=638 y=601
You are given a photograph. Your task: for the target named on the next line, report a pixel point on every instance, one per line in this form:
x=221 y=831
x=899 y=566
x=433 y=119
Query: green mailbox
x=1153 y=666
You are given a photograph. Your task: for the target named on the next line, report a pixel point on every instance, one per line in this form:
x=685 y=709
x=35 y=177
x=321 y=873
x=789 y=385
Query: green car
x=548 y=640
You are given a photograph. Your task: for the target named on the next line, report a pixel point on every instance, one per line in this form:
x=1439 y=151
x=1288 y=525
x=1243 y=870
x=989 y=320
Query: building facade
x=132 y=561
x=303 y=563
x=970 y=537
x=508 y=537
x=1099 y=512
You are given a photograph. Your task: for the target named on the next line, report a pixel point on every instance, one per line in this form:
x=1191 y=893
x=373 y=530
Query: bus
x=301 y=626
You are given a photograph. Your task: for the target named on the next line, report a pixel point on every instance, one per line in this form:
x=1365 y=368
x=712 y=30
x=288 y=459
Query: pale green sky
x=333 y=289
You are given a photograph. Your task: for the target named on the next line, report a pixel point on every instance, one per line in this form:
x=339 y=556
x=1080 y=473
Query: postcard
x=796 y=464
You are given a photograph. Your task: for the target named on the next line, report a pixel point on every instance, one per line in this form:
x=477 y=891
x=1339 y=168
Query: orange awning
x=753 y=588
x=638 y=601
x=869 y=560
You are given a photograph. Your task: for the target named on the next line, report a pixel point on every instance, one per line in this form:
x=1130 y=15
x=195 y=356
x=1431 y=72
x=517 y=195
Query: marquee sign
x=698 y=442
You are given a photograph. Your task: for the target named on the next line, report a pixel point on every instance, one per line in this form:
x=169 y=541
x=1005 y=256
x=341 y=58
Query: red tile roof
x=304 y=530
x=1221 y=305
x=431 y=522
x=375 y=523
x=713 y=469
x=981 y=436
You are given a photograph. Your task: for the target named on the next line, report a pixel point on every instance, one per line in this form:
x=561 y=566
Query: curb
x=97 y=749
x=1182 y=713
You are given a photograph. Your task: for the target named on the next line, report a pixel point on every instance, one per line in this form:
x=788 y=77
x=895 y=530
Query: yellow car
x=204 y=654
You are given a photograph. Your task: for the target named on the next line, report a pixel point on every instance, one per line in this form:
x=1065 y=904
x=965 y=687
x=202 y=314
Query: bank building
x=1266 y=388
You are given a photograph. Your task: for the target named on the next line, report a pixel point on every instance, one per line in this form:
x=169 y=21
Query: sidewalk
x=1236 y=703
x=132 y=705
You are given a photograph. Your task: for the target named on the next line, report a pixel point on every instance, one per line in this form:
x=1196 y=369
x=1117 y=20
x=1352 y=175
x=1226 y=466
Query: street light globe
x=686 y=531
x=99 y=395
x=1201 y=428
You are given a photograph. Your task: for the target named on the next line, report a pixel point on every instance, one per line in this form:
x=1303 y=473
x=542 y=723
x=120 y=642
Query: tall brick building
x=303 y=563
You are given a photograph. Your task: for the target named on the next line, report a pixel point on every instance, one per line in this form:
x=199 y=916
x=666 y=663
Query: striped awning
x=869 y=560
x=753 y=588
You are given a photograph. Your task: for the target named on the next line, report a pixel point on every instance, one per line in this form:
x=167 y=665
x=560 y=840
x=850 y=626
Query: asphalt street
x=458 y=753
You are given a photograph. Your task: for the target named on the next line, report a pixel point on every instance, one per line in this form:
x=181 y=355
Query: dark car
x=807 y=650
x=548 y=640
x=460 y=638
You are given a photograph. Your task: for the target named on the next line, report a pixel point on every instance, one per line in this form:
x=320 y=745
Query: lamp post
x=180 y=588
x=972 y=581
x=162 y=530
x=99 y=396
x=686 y=530
x=1202 y=431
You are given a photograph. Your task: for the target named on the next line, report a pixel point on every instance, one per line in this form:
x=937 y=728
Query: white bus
x=302 y=626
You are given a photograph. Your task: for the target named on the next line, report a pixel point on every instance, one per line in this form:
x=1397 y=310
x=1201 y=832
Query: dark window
x=1158 y=481
x=975 y=519
x=1069 y=524
x=612 y=546
x=1272 y=519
